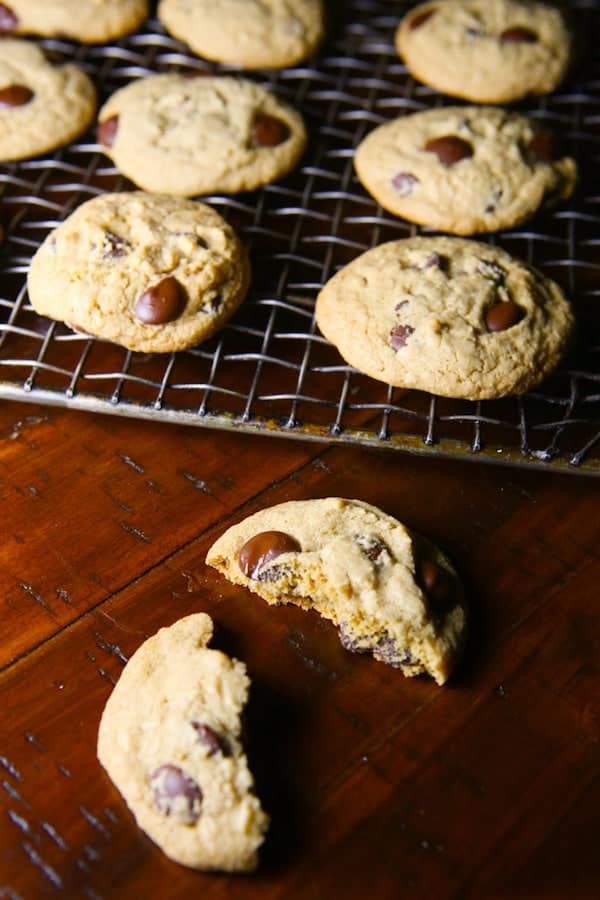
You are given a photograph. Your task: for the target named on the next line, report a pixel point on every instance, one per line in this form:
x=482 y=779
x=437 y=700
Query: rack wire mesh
x=269 y=370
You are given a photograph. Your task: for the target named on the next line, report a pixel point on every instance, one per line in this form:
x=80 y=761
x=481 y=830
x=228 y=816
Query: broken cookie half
x=390 y=592
x=170 y=740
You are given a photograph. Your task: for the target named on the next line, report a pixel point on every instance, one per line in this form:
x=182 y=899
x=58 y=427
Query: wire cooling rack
x=269 y=370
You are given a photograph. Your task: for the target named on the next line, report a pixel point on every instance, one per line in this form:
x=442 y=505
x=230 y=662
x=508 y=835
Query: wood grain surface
x=377 y=785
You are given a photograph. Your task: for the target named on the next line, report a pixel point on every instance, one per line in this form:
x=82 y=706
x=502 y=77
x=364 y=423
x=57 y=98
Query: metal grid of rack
x=269 y=370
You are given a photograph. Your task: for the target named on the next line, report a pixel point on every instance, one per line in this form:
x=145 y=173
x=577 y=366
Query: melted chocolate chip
x=15 y=95
x=404 y=183
x=269 y=131
x=543 y=146
x=162 y=302
x=214 y=742
x=114 y=246
x=436 y=583
x=518 y=35
x=8 y=19
x=264 y=547
x=502 y=316
x=420 y=19
x=176 y=794
x=449 y=149
x=400 y=335
x=106 y=132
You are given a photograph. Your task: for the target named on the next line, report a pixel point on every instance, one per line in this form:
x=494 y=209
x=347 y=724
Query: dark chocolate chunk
x=106 y=132
x=214 y=742
x=8 y=19
x=503 y=315
x=436 y=583
x=420 y=19
x=543 y=146
x=175 y=793
x=161 y=303
x=518 y=35
x=269 y=131
x=400 y=335
x=449 y=149
x=15 y=95
x=264 y=547
x=404 y=183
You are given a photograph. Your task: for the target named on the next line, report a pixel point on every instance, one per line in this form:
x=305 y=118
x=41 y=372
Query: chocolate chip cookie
x=488 y=52
x=89 y=21
x=42 y=106
x=463 y=169
x=270 y=34
x=454 y=317
x=151 y=272
x=390 y=592
x=170 y=739
x=192 y=136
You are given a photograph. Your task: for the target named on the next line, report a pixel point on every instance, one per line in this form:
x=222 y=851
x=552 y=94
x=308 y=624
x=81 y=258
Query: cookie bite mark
x=161 y=303
x=8 y=20
x=262 y=549
x=449 y=149
x=268 y=131
x=106 y=133
x=519 y=35
x=503 y=315
x=176 y=794
x=15 y=95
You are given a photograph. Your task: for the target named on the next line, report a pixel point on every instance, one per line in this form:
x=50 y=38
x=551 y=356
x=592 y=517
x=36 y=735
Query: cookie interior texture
x=464 y=169
x=450 y=316
x=88 y=21
x=101 y=269
x=42 y=105
x=170 y=740
x=390 y=593
x=197 y=135
x=271 y=34
x=487 y=51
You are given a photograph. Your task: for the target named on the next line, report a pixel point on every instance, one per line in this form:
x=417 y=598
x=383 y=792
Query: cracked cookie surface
x=450 y=316
x=170 y=740
x=488 y=52
x=42 y=105
x=89 y=21
x=194 y=136
x=463 y=169
x=151 y=272
x=390 y=592
x=253 y=34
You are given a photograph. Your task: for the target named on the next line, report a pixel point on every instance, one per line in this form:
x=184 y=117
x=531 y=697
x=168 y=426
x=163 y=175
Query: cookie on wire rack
x=88 y=21
x=486 y=51
x=151 y=272
x=450 y=316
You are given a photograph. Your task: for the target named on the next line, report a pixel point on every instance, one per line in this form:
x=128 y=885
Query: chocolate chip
x=214 y=742
x=264 y=547
x=518 y=35
x=8 y=20
x=162 y=302
x=15 y=95
x=371 y=546
x=176 y=794
x=449 y=149
x=114 y=246
x=543 y=146
x=400 y=335
x=106 y=132
x=404 y=183
x=268 y=131
x=502 y=316
x=420 y=19
x=436 y=583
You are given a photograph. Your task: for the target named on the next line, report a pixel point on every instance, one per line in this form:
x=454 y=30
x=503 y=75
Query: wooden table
x=377 y=785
